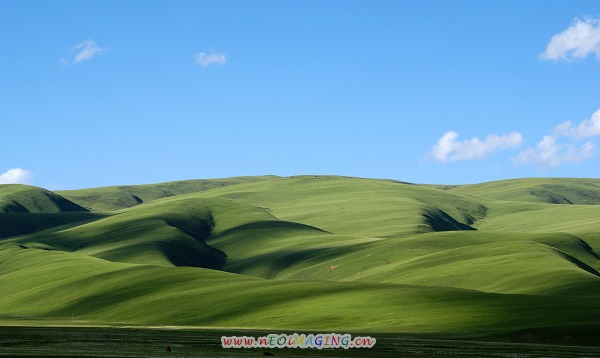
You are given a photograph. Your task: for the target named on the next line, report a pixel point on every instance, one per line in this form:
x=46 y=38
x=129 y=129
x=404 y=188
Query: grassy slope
x=26 y=209
x=119 y=197
x=14 y=224
x=73 y=285
x=388 y=215
x=29 y=199
x=363 y=207
x=170 y=234
x=547 y=190
x=389 y=250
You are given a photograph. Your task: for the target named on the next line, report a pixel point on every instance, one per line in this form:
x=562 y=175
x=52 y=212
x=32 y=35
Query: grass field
x=517 y=260
x=135 y=342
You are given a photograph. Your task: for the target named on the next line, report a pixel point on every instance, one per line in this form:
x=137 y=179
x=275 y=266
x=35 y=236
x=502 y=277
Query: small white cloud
x=548 y=153
x=448 y=149
x=581 y=39
x=16 y=176
x=207 y=59
x=84 y=51
x=587 y=128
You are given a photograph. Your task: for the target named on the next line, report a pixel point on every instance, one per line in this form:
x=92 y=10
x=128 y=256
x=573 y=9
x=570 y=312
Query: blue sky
x=96 y=93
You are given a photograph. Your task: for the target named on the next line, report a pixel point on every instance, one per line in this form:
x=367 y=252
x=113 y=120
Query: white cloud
x=587 y=128
x=207 y=59
x=581 y=39
x=15 y=176
x=84 y=51
x=448 y=149
x=548 y=153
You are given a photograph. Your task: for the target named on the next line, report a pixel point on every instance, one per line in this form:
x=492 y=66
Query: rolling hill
x=17 y=198
x=306 y=252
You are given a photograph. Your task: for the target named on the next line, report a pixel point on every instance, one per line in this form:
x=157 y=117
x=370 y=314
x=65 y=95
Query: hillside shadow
x=203 y=255
x=269 y=225
x=438 y=220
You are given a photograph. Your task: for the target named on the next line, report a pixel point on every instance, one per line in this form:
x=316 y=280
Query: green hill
x=17 y=198
x=548 y=190
x=26 y=209
x=307 y=252
x=73 y=285
x=119 y=197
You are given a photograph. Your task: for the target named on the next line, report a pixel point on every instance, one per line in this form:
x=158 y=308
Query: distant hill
x=119 y=197
x=28 y=199
x=548 y=190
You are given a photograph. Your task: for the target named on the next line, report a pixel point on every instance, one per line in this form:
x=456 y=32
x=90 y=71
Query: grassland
x=21 y=341
x=512 y=259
